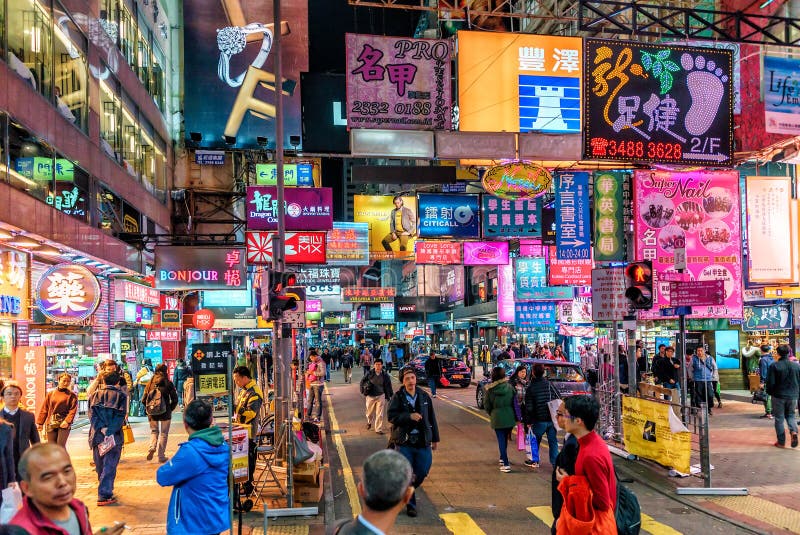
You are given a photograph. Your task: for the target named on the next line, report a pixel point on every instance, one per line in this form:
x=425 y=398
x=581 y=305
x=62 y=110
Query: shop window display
x=71 y=193
x=32 y=165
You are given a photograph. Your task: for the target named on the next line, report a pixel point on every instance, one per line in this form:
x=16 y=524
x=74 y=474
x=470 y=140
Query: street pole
x=682 y=355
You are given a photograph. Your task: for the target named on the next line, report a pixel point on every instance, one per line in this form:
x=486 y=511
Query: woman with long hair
x=58 y=411
x=159 y=399
x=499 y=403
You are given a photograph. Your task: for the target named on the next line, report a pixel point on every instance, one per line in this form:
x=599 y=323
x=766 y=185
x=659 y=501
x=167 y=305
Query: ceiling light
x=23 y=241
x=5 y=235
x=47 y=250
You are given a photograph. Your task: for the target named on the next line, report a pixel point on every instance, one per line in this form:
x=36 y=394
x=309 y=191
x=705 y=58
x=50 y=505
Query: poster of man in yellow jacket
x=653 y=431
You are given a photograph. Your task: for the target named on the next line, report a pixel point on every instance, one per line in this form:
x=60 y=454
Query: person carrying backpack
x=159 y=400
x=347 y=366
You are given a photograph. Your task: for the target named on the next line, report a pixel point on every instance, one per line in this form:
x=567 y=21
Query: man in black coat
x=376 y=387
x=783 y=384
x=24 y=422
x=433 y=370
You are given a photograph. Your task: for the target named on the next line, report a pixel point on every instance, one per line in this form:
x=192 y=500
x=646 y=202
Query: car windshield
x=553 y=372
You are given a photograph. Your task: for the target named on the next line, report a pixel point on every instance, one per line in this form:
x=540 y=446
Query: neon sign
x=517 y=180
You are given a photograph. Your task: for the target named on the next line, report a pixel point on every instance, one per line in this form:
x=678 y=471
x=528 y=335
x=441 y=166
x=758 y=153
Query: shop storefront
x=14 y=304
x=135 y=309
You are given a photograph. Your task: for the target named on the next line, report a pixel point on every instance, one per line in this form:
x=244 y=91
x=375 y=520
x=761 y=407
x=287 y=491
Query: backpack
x=628 y=513
x=155 y=405
x=365 y=386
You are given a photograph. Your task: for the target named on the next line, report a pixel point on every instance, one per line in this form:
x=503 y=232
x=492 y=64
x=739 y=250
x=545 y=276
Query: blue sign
x=781 y=102
x=155 y=355
x=505 y=218
x=535 y=317
x=531 y=282
x=573 y=218
x=448 y=216
x=455 y=187
x=209 y=157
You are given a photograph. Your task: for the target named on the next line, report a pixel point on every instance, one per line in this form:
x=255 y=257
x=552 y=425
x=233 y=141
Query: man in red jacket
x=49 y=507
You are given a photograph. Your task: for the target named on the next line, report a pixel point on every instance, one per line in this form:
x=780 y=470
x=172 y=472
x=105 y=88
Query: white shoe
x=505 y=468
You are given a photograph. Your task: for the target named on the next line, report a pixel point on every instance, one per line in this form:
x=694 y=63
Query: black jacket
x=168 y=394
x=371 y=378
x=400 y=417
x=433 y=368
x=26 y=433
x=783 y=379
x=664 y=369
x=566 y=459
x=538 y=394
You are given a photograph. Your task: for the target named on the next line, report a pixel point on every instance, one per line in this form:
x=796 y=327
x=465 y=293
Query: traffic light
x=278 y=302
x=639 y=284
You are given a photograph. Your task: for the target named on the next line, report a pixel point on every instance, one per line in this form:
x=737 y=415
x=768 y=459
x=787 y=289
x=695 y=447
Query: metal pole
x=705 y=454
x=616 y=393
x=229 y=378
x=682 y=355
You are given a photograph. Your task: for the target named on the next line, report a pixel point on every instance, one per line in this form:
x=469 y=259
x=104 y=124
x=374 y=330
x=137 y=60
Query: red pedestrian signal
x=639 y=284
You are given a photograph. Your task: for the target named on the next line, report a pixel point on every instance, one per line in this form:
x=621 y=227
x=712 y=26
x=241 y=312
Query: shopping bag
x=127 y=435
x=553 y=406
x=12 y=502
x=520 y=437
x=444 y=381
x=532 y=446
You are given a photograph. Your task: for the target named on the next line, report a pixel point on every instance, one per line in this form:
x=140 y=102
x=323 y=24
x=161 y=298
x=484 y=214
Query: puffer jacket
x=703 y=371
x=577 y=516
x=538 y=394
x=499 y=403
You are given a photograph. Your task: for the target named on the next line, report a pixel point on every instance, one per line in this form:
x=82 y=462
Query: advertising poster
x=653 y=431
x=398 y=83
x=781 y=103
x=535 y=82
x=609 y=231
x=505 y=293
x=699 y=209
x=210 y=368
x=239 y=451
x=299 y=247
x=535 y=317
x=229 y=74
x=770 y=317
x=608 y=295
x=392 y=224
x=657 y=103
x=504 y=218
x=29 y=372
x=348 y=244
x=573 y=236
x=769 y=207
x=306 y=208
x=438 y=252
x=449 y=216
x=485 y=253
x=200 y=268
x=445 y=283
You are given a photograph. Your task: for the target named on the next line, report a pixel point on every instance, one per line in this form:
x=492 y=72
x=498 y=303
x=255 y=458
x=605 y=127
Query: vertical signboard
x=505 y=293
x=609 y=231
x=768 y=212
x=573 y=240
x=398 y=83
x=505 y=217
x=210 y=368
x=608 y=294
x=29 y=372
x=699 y=209
x=781 y=102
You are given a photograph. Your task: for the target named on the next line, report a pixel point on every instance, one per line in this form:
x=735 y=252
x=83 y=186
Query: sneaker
x=779 y=445
x=381 y=432
x=769 y=416
x=794 y=440
x=505 y=468
x=531 y=464
x=150 y=455
x=411 y=511
x=369 y=426
x=106 y=501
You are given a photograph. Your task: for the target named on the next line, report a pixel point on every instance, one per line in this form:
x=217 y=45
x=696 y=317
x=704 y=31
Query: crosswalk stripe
x=461 y=524
x=543 y=513
x=654 y=527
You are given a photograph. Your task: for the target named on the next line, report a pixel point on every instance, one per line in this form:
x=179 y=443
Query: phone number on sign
x=602 y=147
x=376 y=108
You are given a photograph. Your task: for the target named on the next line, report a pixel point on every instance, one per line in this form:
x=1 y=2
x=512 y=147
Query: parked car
x=567 y=377
x=454 y=370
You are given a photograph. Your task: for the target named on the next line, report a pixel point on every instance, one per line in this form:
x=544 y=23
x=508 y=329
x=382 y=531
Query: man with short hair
x=248 y=405
x=594 y=462
x=49 y=506
x=24 y=422
x=402 y=225
x=347 y=365
x=433 y=371
x=198 y=474
x=783 y=384
x=385 y=489
x=764 y=364
x=316 y=382
x=108 y=410
x=376 y=387
x=666 y=368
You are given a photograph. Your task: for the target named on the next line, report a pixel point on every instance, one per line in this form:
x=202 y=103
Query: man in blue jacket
x=198 y=473
x=108 y=407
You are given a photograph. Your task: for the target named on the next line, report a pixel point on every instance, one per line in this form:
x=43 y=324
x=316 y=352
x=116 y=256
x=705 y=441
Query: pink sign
x=505 y=293
x=697 y=293
x=532 y=247
x=313 y=305
x=485 y=253
x=398 y=83
x=700 y=209
x=125 y=290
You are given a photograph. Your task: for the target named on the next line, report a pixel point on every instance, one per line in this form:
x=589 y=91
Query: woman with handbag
x=159 y=399
x=58 y=411
x=499 y=403
x=540 y=392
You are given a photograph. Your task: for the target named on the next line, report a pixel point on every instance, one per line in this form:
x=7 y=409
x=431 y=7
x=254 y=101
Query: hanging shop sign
x=657 y=103
x=294 y=174
x=125 y=290
x=568 y=272
x=772 y=317
x=576 y=311
x=200 y=268
x=535 y=317
x=154 y=354
x=486 y=253
x=210 y=368
x=398 y=83
x=781 y=98
x=535 y=82
x=609 y=230
x=68 y=293
x=163 y=335
x=517 y=180
x=392 y=224
x=30 y=373
x=700 y=210
x=170 y=318
x=318 y=275
x=505 y=293
x=505 y=218
x=531 y=282
x=573 y=219
x=14 y=291
x=438 y=252
x=127 y=312
x=305 y=208
x=299 y=247
x=203 y=319
x=769 y=208
x=608 y=294
x=364 y=294
x=229 y=298
x=387 y=312
x=696 y=293
x=449 y=216
x=348 y=244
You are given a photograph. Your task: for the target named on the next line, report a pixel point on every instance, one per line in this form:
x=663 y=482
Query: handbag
x=444 y=381
x=520 y=437
x=55 y=421
x=12 y=502
x=301 y=451
x=127 y=435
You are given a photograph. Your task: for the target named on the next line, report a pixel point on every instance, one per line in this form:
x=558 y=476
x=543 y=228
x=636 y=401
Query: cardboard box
x=306 y=472
x=306 y=493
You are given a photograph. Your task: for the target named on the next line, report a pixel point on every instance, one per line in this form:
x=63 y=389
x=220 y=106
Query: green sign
x=41 y=168
x=609 y=233
x=293 y=174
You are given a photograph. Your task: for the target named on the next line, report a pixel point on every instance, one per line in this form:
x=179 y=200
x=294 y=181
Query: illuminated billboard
x=392 y=224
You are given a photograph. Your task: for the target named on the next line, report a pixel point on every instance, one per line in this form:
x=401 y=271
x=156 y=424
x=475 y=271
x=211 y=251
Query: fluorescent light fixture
x=80 y=259
x=5 y=235
x=48 y=250
x=23 y=241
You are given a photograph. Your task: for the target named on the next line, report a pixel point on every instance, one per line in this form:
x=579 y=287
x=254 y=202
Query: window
x=158 y=79
x=31 y=163
x=143 y=55
x=70 y=89
x=71 y=194
x=127 y=36
x=30 y=43
x=110 y=131
x=130 y=148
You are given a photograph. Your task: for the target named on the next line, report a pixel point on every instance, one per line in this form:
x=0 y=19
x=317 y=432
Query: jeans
x=432 y=384
x=539 y=429
x=58 y=436
x=106 y=468
x=327 y=373
x=502 y=443
x=783 y=409
x=315 y=401
x=421 y=460
x=159 y=433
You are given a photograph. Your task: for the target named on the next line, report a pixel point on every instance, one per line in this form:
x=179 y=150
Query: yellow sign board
x=652 y=431
x=782 y=292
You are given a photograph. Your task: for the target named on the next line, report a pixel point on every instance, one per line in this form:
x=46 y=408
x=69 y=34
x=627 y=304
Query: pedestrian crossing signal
x=278 y=302
x=639 y=284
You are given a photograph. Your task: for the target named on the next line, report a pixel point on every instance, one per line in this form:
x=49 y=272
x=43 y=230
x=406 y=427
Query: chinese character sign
x=14 y=287
x=200 y=268
x=609 y=232
x=568 y=272
x=512 y=82
x=535 y=317
x=573 y=240
x=531 y=281
x=768 y=211
x=398 y=83
x=305 y=208
x=299 y=247
x=438 y=252
x=505 y=293
x=365 y=294
x=699 y=210
x=348 y=244
x=445 y=216
x=294 y=174
x=506 y=218
x=771 y=317
x=210 y=368
x=392 y=224
x=781 y=99
x=68 y=293
x=657 y=103
x=29 y=372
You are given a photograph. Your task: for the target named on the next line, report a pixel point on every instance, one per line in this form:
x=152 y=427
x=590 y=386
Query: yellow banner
x=652 y=431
